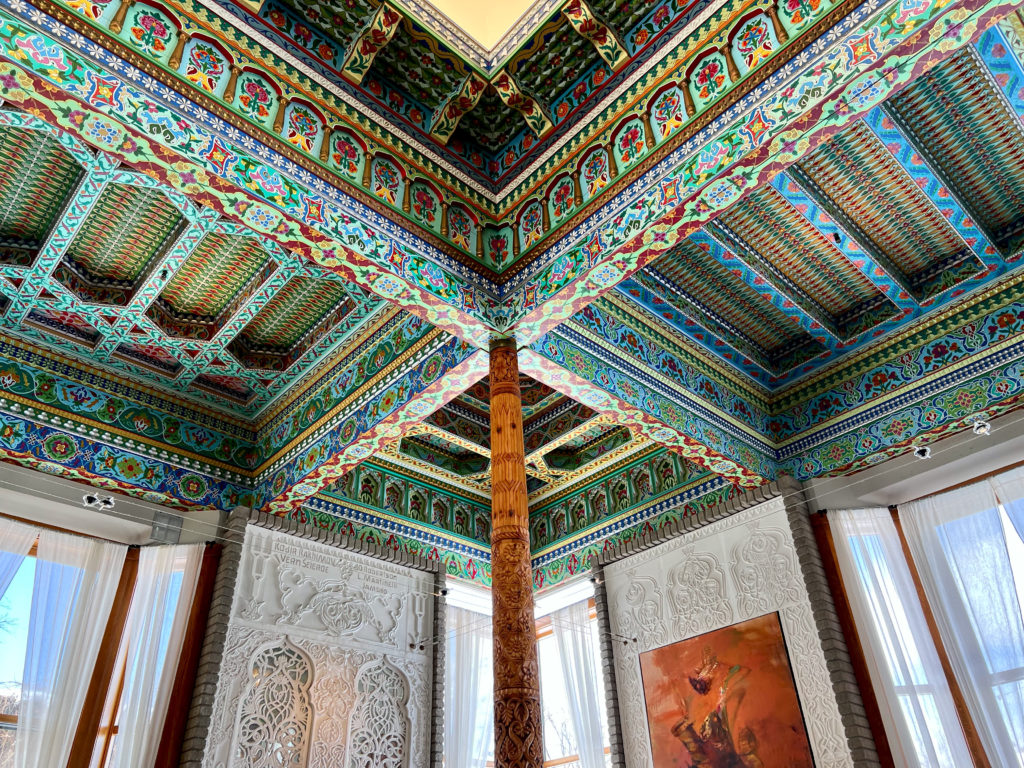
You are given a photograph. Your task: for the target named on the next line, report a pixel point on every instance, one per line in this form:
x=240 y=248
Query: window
x=559 y=737
x=966 y=569
x=960 y=547
x=917 y=707
x=572 y=688
x=64 y=675
x=15 y=606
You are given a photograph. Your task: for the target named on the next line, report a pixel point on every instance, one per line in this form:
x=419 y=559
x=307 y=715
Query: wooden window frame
x=840 y=598
x=96 y=724
x=967 y=723
x=172 y=739
x=92 y=733
x=545 y=629
x=826 y=546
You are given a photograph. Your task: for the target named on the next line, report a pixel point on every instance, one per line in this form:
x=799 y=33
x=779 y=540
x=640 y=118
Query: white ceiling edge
x=39 y=498
x=956 y=459
x=43 y=498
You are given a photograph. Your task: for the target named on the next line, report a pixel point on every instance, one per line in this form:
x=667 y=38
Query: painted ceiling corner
x=253 y=253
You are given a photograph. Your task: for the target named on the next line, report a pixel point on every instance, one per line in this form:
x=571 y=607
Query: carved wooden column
x=517 y=721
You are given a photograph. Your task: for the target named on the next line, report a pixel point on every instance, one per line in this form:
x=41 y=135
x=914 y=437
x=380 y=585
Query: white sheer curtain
x=913 y=695
x=15 y=542
x=154 y=632
x=75 y=583
x=960 y=549
x=1009 y=487
x=469 y=696
x=572 y=631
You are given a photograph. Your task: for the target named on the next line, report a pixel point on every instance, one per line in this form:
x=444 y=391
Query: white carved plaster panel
x=731 y=570
x=361 y=626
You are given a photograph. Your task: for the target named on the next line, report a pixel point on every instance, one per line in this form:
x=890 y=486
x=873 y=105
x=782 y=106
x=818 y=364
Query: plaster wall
x=747 y=563
x=328 y=660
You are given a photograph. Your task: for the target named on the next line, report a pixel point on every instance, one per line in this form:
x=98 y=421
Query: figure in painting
x=708 y=702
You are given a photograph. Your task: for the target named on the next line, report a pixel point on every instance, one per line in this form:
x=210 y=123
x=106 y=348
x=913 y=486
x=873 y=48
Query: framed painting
x=725 y=699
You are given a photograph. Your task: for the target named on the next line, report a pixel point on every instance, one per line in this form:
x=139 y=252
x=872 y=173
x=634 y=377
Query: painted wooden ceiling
x=763 y=238
x=111 y=267
x=561 y=58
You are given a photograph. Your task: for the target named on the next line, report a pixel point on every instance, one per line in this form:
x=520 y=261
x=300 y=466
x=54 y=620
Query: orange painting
x=725 y=699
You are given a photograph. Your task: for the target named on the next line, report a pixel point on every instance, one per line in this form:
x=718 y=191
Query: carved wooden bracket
x=603 y=37
x=447 y=116
x=370 y=42
x=516 y=98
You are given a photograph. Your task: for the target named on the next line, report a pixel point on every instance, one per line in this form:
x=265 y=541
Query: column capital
x=503 y=342
x=504 y=367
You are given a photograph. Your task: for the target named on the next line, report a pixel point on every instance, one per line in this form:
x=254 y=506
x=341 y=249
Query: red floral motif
x=710 y=79
x=151 y=33
x=562 y=199
x=425 y=206
x=499 y=249
x=346 y=156
x=254 y=100
x=801 y=10
x=302 y=34
x=631 y=144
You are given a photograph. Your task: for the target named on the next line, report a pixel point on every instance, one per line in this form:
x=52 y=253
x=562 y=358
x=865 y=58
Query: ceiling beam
x=814 y=314
x=653 y=291
x=590 y=26
x=516 y=98
x=613 y=382
x=935 y=189
x=68 y=224
x=461 y=101
x=814 y=204
x=595 y=421
x=370 y=41
x=323 y=230
x=1006 y=75
x=215 y=351
x=160 y=273
x=715 y=175
x=392 y=405
x=910 y=140
x=429 y=429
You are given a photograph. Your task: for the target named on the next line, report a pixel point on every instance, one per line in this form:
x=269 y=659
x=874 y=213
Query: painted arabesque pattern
x=917 y=345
